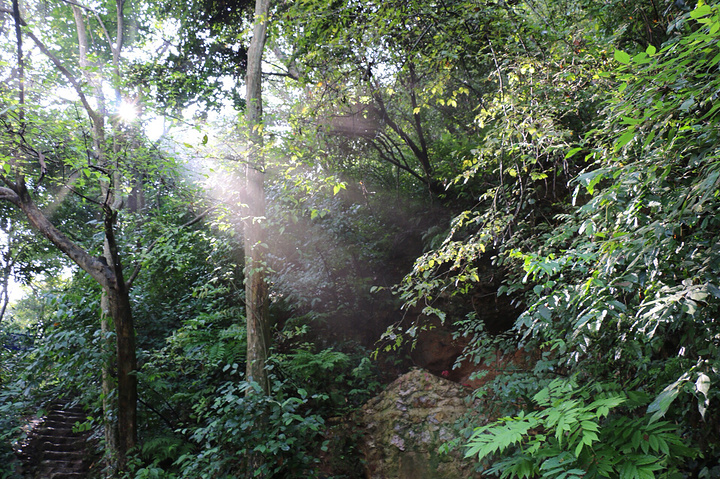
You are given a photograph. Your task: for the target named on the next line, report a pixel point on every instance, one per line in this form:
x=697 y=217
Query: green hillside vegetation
x=405 y=166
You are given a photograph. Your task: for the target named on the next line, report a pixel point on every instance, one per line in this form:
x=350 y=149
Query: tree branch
x=8 y=194
x=100 y=271
x=152 y=245
x=417 y=151
x=67 y=74
x=290 y=64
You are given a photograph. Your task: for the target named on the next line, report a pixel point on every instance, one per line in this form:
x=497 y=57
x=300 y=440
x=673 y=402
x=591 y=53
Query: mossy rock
x=406 y=425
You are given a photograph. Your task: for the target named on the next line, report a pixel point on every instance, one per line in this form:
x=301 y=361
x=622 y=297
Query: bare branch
x=79 y=5
x=9 y=195
x=289 y=63
x=67 y=74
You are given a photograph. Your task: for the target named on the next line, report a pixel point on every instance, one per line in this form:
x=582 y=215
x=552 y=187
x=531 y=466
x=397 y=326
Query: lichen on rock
x=405 y=426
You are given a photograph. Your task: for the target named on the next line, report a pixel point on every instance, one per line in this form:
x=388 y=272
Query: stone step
x=53 y=450
x=65 y=465
x=63 y=455
x=63 y=421
x=47 y=471
x=57 y=421
x=64 y=434
x=66 y=413
x=56 y=444
x=68 y=475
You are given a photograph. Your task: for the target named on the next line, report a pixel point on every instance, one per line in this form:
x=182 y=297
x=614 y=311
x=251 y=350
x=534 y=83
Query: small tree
x=37 y=152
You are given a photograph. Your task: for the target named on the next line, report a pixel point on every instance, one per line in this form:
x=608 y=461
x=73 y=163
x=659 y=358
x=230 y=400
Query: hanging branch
x=421 y=155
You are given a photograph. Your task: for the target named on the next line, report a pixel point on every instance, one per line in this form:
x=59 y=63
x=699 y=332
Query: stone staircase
x=54 y=451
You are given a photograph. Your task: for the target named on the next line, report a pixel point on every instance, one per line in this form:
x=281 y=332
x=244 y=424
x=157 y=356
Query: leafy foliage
x=201 y=49
x=217 y=427
x=619 y=282
x=578 y=432
x=575 y=145
x=14 y=404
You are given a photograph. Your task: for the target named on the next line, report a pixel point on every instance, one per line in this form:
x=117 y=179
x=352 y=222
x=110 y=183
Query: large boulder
x=406 y=425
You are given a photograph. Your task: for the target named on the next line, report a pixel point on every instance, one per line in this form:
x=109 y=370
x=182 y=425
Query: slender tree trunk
x=256 y=289
x=108 y=388
x=116 y=293
x=119 y=305
x=8 y=262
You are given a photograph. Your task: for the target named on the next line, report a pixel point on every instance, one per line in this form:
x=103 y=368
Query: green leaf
x=592 y=178
x=714 y=290
x=662 y=402
x=702 y=386
x=701 y=11
x=572 y=152
x=687 y=104
x=588 y=227
x=579 y=448
x=625 y=138
x=621 y=57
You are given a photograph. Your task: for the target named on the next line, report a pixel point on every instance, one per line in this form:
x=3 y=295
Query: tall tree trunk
x=117 y=293
x=256 y=289
x=108 y=388
x=121 y=313
x=107 y=272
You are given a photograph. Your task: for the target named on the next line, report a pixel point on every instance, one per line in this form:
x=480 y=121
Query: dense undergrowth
x=618 y=282
x=560 y=155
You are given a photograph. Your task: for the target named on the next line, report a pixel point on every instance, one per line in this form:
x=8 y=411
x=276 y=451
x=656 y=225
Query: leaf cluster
x=578 y=432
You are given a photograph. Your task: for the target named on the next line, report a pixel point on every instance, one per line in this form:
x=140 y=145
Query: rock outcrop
x=406 y=425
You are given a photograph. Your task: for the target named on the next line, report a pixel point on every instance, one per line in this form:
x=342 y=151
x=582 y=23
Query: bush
x=589 y=431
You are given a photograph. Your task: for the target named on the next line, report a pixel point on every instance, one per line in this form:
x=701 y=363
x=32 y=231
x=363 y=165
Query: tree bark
x=108 y=387
x=121 y=313
x=123 y=433
x=256 y=289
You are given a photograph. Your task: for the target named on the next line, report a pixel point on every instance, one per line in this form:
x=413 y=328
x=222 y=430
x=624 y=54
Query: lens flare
x=128 y=112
